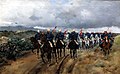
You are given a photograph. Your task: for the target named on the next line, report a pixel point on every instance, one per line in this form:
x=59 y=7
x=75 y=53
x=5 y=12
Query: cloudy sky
x=65 y=13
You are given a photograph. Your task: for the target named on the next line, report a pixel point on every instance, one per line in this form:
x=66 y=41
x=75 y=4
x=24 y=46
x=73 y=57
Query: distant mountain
x=113 y=29
x=15 y=28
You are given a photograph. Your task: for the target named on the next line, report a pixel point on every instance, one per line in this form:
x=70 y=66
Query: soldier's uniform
x=49 y=37
x=73 y=36
x=37 y=35
x=60 y=36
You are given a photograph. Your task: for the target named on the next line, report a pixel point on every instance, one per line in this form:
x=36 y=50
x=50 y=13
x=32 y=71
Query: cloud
x=67 y=13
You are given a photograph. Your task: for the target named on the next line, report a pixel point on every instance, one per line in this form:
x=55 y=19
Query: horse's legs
x=42 y=56
x=71 y=52
x=49 y=57
x=64 y=51
x=32 y=50
x=37 y=53
x=55 y=53
x=108 y=51
x=60 y=52
x=104 y=50
x=74 y=53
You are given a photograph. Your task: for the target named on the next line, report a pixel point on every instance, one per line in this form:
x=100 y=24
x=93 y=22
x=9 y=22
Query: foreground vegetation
x=14 y=44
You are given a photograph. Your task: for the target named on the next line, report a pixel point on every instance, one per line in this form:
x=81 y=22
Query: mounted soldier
x=106 y=42
x=49 y=37
x=60 y=43
x=36 y=42
x=60 y=35
x=73 y=35
x=73 y=45
x=37 y=36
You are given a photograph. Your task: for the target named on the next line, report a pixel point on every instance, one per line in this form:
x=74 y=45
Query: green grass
x=117 y=40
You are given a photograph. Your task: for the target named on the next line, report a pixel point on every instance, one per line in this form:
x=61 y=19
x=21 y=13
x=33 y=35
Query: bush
x=21 y=44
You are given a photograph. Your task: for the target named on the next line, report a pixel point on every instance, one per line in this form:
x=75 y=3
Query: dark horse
x=59 y=46
x=73 y=46
x=44 y=48
x=106 y=46
x=36 y=45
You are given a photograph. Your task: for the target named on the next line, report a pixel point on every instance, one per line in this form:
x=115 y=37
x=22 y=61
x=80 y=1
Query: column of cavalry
x=52 y=44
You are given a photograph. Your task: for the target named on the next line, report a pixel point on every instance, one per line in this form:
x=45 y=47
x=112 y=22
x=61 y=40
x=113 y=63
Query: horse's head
x=106 y=37
x=32 y=39
x=43 y=38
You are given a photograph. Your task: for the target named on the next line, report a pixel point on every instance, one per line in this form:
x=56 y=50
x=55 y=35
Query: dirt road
x=87 y=62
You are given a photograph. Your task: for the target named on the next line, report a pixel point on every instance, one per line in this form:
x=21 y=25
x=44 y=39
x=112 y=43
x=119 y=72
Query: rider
x=60 y=35
x=37 y=36
x=110 y=37
x=104 y=34
x=73 y=35
x=50 y=36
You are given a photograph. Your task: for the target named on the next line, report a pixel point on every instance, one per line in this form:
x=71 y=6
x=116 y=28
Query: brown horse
x=106 y=46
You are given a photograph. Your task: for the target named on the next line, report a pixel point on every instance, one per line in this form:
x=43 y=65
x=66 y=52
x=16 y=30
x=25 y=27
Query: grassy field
x=117 y=40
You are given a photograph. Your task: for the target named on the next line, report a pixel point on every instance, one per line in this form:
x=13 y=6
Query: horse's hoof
x=105 y=57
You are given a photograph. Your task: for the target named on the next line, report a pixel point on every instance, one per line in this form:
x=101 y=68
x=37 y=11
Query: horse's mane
x=33 y=39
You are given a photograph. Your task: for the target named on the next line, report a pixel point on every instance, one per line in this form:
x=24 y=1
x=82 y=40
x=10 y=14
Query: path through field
x=87 y=62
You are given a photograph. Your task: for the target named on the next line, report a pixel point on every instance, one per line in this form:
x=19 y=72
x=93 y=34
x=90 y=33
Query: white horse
x=66 y=39
x=97 y=39
x=92 y=40
x=80 y=40
x=87 y=43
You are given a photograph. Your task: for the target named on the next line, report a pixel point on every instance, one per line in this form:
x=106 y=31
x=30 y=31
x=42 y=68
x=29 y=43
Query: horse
x=59 y=46
x=106 y=46
x=87 y=43
x=83 y=43
x=80 y=42
x=36 y=45
x=47 y=49
x=73 y=46
x=92 y=43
